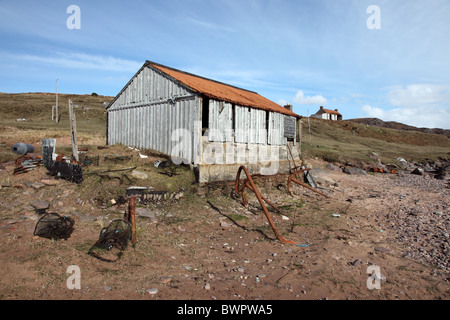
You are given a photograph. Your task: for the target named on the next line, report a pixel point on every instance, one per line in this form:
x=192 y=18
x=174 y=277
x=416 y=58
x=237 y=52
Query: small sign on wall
x=289 y=127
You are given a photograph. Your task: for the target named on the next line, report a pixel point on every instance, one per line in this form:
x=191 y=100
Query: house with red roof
x=327 y=114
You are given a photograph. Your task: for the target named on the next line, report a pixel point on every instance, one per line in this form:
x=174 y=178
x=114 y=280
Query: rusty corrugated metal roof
x=221 y=91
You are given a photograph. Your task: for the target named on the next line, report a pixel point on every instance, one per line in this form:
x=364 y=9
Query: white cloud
x=431 y=117
x=372 y=112
x=420 y=105
x=419 y=95
x=315 y=100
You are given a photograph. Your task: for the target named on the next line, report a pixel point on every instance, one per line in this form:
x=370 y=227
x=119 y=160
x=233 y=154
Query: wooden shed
x=213 y=126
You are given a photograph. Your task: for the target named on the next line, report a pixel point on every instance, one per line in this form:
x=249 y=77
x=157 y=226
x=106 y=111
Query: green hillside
x=350 y=142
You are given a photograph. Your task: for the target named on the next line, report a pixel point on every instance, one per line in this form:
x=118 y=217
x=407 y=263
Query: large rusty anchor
x=248 y=183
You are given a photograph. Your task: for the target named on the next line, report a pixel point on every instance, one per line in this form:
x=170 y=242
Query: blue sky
x=304 y=52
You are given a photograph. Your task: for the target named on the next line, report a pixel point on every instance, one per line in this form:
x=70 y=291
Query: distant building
x=328 y=114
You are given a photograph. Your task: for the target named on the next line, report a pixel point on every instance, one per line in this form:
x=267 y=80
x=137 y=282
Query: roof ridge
x=197 y=76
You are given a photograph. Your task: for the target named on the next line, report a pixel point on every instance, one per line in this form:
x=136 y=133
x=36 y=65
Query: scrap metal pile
x=28 y=160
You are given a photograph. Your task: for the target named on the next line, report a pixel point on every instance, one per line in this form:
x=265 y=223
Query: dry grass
x=36 y=108
x=346 y=141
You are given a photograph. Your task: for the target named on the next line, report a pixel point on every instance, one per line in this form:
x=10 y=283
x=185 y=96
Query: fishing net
x=113 y=241
x=53 y=226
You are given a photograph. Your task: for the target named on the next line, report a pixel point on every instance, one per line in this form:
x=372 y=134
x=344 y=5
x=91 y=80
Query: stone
x=37 y=185
x=224 y=224
x=418 y=171
x=139 y=175
x=403 y=163
x=332 y=167
x=356 y=263
x=207 y=286
x=152 y=291
x=40 y=204
x=354 y=171
x=166 y=280
x=382 y=250
x=144 y=213
x=49 y=182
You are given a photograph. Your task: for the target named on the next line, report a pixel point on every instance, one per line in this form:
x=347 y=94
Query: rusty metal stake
x=253 y=188
x=132 y=218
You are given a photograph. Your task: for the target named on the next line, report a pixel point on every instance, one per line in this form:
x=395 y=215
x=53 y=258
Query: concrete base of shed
x=228 y=172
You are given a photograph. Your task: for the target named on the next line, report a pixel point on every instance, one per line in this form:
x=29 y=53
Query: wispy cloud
x=77 y=61
x=209 y=25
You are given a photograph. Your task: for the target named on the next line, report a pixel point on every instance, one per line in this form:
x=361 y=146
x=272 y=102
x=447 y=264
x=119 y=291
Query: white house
x=328 y=114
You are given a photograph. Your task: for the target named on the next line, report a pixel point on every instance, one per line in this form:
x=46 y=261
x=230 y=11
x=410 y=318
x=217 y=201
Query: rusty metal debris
x=382 y=170
x=66 y=168
x=248 y=183
x=27 y=163
x=148 y=195
x=292 y=179
x=60 y=166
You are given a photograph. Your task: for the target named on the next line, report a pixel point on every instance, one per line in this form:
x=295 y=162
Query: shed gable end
x=149 y=86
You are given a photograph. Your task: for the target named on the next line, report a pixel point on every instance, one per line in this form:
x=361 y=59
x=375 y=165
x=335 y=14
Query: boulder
x=139 y=175
x=354 y=171
x=39 y=205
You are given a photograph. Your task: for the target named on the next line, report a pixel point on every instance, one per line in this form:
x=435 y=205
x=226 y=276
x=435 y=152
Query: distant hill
x=375 y=122
x=352 y=142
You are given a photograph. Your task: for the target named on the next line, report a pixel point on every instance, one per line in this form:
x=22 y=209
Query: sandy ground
x=377 y=237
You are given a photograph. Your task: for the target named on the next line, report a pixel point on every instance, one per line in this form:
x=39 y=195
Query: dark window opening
x=205 y=114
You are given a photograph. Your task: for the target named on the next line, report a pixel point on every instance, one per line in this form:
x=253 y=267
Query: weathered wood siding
x=148 y=113
x=250 y=125
x=276 y=129
x=220 y=122
x=149 y=86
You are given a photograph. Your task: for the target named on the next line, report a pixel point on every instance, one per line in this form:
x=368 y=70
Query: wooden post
x=73 y=129
x=56 y=107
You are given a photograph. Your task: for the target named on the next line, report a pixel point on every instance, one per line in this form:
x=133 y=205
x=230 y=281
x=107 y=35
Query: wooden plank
x=73 y=129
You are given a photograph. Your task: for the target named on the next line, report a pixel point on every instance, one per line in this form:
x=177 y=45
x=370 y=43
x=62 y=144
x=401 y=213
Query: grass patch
x=348 y=142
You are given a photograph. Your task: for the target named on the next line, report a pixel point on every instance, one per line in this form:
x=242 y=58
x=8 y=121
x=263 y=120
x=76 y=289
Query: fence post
x=73 y=129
